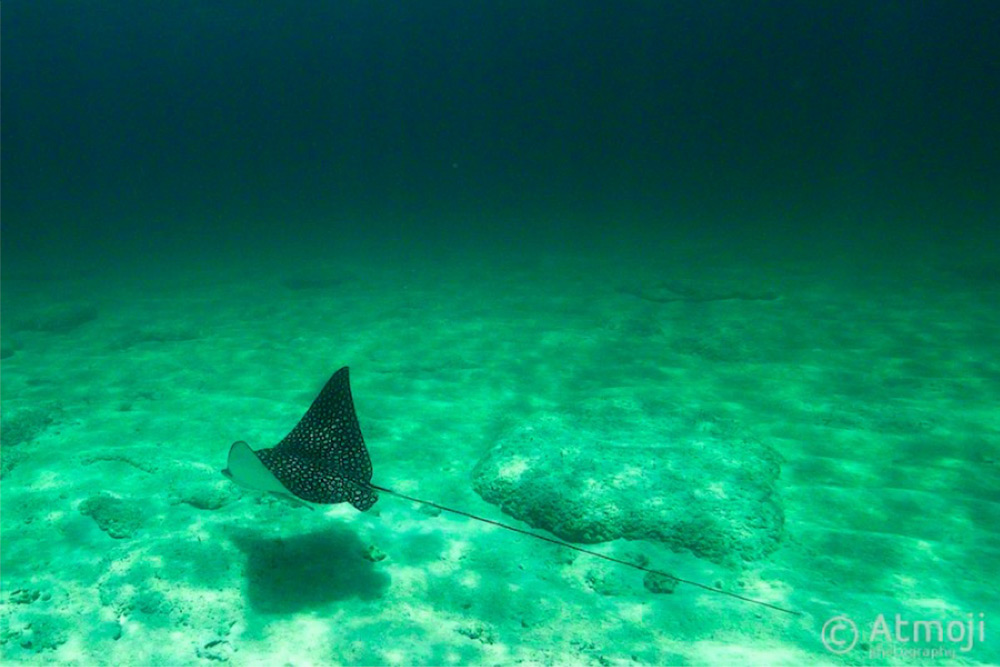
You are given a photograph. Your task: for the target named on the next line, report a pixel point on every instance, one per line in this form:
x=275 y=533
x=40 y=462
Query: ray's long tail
x=567 y=545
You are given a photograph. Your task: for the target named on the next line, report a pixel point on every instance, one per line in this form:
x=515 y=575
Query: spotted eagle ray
x=324 y=461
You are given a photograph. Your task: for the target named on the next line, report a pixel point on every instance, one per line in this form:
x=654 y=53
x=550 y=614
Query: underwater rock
x=25 y=425
x=8 y=348
x=210 y=496
x=478 y=631
x=218 y=650
x=373 y=553
x=154 y=336
x=605 y=581
x=689 y=483
x=59 y=319
x=113 y=515
x=669 y=291
x=21 y=428
x=25 y=596
x=657 y=583
x=10 y=459
x=136 y=461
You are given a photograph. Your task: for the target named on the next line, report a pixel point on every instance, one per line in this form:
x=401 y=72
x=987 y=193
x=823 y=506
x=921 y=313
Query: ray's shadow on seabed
x=305 y=572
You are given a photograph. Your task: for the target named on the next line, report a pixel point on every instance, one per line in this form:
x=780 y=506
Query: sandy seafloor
x=877 y=379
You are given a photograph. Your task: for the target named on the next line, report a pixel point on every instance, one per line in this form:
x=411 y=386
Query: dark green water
x=185 y=128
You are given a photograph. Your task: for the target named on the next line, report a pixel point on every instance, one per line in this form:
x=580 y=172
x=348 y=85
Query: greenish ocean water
x=710 y=288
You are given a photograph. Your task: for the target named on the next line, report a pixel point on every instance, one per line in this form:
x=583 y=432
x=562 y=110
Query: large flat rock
x=690 y=482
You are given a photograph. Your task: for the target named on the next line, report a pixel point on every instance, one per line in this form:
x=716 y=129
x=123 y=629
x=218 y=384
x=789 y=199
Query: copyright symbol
x=839 y=635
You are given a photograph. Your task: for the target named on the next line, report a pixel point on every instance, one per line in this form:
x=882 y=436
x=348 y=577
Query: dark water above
x=190 y=128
